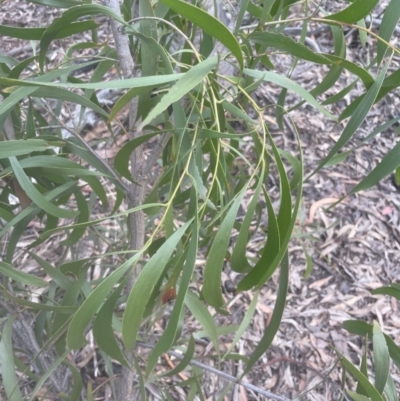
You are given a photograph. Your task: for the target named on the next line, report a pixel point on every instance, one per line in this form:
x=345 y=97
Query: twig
x=90 y=150
x=222 y=374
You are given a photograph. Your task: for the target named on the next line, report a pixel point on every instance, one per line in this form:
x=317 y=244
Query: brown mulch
x=355 y=247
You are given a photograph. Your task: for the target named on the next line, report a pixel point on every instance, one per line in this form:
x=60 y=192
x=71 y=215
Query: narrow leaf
x=387 y=165
x=185 y=84
x=208 y=24
x=287 y=83
x=381 y=358
x=77 y=327
x=357 y=118
x=203 y=316
x=21 y=277
x=276 y=318
x=369 y=388
x=25 y=147
x=357 y=10
x=185 y=360
x=35 y=195
x=143 y=287
x=103 y=328
x=387 y=27
x=168 y=337
x=9 y=378
x=212 y=272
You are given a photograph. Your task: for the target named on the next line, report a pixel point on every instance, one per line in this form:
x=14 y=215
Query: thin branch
x=73 y=132
x=222 y=374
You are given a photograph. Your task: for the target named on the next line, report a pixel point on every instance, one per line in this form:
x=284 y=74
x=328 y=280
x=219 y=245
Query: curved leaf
x=103 y=328
x=381 y=358
x=25 y=147
x=276 y=318
x=168 y=337
x=82 y=317
x=387 y=27
x=357 y=118
x=8 y=373
x=212 y=272
x=208 y=24
x=185 y=84
x=357 y=10
x=287 y=83
x=21 y=277
x=35 y=195
x=144 y=285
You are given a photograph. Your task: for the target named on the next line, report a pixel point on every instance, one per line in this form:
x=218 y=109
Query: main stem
x=136 y=192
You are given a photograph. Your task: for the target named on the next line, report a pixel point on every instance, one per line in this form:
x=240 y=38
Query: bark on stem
x=136 y=193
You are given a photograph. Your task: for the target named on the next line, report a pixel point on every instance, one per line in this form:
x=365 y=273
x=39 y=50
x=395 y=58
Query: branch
x=222 y=374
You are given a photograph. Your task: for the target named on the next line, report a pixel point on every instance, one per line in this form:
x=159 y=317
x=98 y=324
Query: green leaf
x=42 y=306
x=103 y=328
x=387 y=27
x=185 y=360
x=362 y=32
x=37 y=33
x=244 y=324
x=203 y=316
x=239 y=262
x=77 y=233
x=381 y=358
x=55 y=164
x=44 y=376
x=9 y=378
x=121 y=163
x=370 y=389
x=360 y=72
x=287 y=44
x=387 y=165
x=184 y=85
x=25 y=147
x=389 y=290
x=35 y=195
x=144 y=285
x=357 y=397
x=212 y=272
x=363 y=368
x=201 y=188
x=287 y=83
x=309 y=264
x=57 y=3
x=168 y=337
x=356 y=11
x=279 y=230
x=390 y=390
x=208 y=24
x=276 y=318
x=363 y=328
x=357 y=118
x=33 y=210
x=140 y=82
x=76 y=392
x=77 y=327
x=21 y=277
x=66 y=19
x=68 y=96
x=22 y=93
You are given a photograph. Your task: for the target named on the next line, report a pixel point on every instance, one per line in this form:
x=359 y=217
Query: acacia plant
x=193 y=143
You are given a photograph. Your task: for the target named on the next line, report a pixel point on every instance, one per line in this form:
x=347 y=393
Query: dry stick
x=222 y=374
